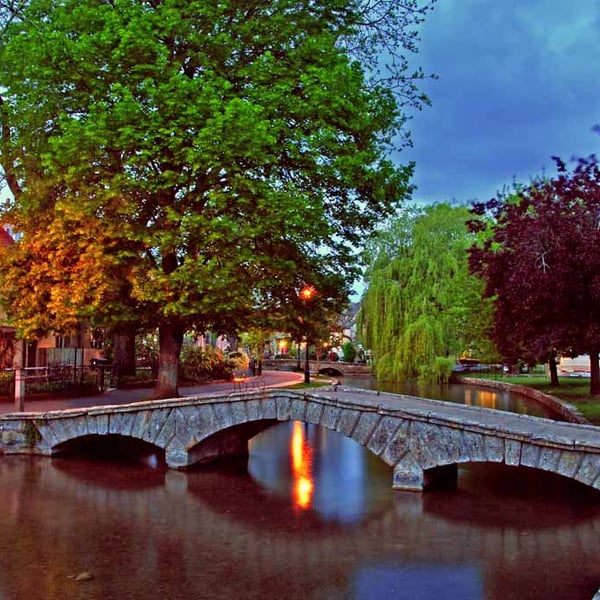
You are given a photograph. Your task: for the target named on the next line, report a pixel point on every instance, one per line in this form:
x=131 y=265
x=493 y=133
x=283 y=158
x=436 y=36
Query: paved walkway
x=115 y=397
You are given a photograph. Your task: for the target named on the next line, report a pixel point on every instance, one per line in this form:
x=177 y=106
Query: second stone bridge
x=422 y=440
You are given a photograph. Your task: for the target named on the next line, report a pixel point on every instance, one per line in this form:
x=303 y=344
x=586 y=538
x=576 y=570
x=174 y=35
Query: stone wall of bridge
x=422 y=440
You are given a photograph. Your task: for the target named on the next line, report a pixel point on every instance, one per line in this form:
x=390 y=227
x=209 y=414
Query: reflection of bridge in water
x=423 y=440
x=197 y=509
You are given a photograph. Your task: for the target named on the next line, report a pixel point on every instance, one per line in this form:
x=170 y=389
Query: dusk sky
x=518 y=83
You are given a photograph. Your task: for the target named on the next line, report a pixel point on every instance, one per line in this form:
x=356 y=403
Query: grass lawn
x=574 y=390
x=315 y=382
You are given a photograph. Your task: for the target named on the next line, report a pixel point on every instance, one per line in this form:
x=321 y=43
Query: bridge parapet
x=422 y=440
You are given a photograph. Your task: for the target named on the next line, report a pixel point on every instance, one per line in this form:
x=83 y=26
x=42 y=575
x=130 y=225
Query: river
x=473 y=396
x=310 y=515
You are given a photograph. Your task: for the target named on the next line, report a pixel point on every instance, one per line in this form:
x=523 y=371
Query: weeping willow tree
x=421 y=308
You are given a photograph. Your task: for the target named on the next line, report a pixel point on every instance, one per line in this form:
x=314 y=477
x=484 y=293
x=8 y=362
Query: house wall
x=578 y=366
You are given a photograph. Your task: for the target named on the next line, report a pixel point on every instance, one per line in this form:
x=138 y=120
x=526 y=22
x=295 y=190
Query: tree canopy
x=422 y=309
x=191 y=164
x=540 y=259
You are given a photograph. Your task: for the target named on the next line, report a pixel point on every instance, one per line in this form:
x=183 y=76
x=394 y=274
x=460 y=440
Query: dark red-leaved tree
x=540 y=258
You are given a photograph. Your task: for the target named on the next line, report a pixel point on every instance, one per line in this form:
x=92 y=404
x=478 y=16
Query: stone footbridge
x=324 y=367
x=422 y=440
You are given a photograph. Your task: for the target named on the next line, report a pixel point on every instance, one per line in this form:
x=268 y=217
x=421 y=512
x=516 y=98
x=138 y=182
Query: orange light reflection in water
x=301 y=467
x=481 y=398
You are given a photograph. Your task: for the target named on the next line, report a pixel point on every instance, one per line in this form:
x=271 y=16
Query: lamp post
x=306 y=294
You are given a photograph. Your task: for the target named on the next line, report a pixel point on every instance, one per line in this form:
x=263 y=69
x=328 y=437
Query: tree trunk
x=594 y=372
x=125 y=352
x=553 y=368
x=170 y=337
x=306 y=364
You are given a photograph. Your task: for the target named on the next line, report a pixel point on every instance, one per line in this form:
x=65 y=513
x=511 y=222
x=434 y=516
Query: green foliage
x=191 y=164
x=146 y=351
x=421 y=308
x=199 y=365
x=384 y=368
x=255 y=340
x=238 y=360
x=438 y=371
x=349 y=351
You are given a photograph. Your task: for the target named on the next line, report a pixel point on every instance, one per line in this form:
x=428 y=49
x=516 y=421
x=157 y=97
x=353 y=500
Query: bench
x=245 y=382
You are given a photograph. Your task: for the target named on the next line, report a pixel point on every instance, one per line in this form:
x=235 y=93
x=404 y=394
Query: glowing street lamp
x=306 y=294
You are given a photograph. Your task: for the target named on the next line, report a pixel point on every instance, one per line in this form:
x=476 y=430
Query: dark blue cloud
x=518 y=83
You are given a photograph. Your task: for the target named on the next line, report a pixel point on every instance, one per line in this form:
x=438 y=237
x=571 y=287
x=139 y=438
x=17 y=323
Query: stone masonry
x=422 y=440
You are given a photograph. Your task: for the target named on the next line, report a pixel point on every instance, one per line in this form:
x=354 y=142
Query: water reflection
x=301 y=452
x=238 y=532
x=499 y=496
x=484 y=398
x=318 y=465
x=427 y=581
x=462 y=394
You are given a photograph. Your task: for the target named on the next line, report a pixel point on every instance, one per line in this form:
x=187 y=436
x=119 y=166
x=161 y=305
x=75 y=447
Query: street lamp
x=307 y=293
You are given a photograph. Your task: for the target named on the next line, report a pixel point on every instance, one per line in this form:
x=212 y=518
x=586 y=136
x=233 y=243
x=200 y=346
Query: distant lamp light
x=307 y=293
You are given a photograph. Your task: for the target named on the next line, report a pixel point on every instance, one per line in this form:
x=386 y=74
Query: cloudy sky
x=519 y=82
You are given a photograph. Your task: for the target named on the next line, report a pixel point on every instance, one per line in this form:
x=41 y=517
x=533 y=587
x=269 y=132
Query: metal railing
x=59 y=379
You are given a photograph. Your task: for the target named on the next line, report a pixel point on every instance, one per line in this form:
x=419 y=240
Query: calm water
x=310 y=516
x=457 y=393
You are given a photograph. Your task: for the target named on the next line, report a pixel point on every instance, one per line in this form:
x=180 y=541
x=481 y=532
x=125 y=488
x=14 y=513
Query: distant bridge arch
x=332 y=371
x=325 y=367
x=422 y=440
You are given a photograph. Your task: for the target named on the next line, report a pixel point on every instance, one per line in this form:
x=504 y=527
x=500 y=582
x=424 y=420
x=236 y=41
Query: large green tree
x=422 y=309
x=180 y=164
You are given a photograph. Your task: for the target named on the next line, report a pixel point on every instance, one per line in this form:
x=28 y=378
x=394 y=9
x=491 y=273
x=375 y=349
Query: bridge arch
x=230 y=442
x=422 y=440
x=113 y=446
x=331 y=371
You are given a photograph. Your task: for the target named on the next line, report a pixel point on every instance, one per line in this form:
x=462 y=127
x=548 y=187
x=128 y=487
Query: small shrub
x=238 y=360
x=197 y=365
x=349 y=352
